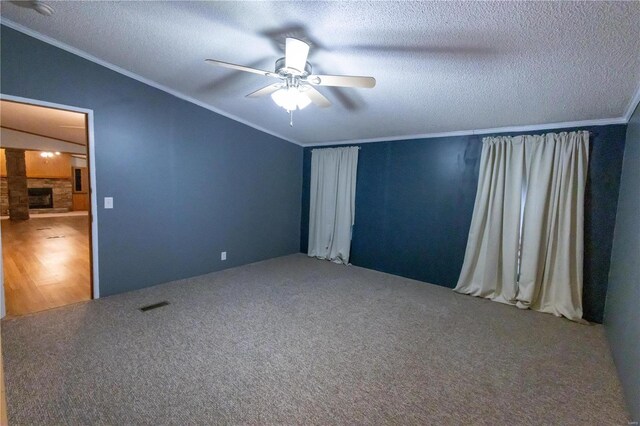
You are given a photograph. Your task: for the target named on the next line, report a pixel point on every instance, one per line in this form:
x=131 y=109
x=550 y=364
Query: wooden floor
x=46 y=263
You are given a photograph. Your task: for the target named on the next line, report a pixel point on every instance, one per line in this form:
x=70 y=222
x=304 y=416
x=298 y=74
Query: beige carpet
x=295 y=340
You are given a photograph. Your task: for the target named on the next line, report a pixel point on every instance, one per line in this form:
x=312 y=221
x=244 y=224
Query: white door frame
x=94 y=193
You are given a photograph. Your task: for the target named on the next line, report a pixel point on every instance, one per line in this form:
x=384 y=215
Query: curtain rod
x=483 y=135
x=352 y=146
x=489 y=135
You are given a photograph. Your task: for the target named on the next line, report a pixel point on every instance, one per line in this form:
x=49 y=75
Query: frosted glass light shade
x=290 y=99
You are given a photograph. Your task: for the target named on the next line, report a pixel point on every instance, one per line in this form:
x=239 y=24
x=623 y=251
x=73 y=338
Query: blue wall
x=622 y=313
x=187 y=183
x=414 y=202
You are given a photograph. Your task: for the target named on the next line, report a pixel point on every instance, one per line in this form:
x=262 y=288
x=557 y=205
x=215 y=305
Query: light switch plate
x=223 y=255
x=108 y=202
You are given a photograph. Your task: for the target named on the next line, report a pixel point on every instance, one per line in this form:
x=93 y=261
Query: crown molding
x=116 y=68
x=511 y=129
x=632 y=105
x=549 y=126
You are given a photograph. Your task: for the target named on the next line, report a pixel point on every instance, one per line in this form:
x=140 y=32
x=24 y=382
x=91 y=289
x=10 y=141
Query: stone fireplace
x=39 y=185
x=61 y=194
x=40 y=198
x=17 y=198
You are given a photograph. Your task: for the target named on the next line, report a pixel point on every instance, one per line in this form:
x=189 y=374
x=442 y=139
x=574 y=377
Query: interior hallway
x=46 y=262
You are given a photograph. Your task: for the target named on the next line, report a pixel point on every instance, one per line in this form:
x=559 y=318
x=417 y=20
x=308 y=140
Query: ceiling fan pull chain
x=291 y=118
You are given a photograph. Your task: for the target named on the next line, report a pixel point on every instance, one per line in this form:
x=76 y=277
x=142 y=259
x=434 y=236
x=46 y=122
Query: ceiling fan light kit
x=295 y=90
x=290 y=98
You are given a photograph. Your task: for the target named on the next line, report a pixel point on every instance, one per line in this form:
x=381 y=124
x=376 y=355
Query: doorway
x=46 y=205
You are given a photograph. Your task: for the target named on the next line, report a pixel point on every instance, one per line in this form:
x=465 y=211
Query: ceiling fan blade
x=296 y=52
x=316 y=97
x=342 y=81
x=241 y=68
x=265 y=91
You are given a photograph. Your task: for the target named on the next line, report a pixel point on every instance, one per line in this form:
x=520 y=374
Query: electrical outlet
x=108 y=202
x=223 y=255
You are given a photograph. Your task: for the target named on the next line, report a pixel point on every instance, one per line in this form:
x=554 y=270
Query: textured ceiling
x=440 y=67
x=53 y=123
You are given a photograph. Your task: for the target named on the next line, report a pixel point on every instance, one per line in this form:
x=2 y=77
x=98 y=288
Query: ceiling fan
x=295 y=89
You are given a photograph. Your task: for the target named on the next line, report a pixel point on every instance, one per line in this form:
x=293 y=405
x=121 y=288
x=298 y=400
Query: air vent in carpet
x=154 y=306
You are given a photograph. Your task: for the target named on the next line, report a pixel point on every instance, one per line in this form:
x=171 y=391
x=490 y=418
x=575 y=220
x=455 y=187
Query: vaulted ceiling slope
x=440 y=67
x=67 y=126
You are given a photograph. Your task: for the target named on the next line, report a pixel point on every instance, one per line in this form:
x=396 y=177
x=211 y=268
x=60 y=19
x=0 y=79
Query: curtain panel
x=525 y=244
x=332 y=203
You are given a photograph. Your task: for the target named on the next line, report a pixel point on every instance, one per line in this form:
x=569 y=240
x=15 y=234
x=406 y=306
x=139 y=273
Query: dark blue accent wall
x=187 y=183
x=414 y=202
x=622 y=314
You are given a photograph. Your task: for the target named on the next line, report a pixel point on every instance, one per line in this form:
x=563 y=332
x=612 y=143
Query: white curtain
x=332 y=209
x=543 y=270
x=491 y=258
x=553 y=224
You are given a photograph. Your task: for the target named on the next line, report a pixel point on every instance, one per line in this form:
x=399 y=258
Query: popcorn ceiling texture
x=440 y=67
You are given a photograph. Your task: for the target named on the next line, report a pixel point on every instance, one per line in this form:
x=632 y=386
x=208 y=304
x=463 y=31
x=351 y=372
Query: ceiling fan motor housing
x=284 y=71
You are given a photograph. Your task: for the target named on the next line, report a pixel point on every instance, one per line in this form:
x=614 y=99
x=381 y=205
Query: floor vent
x=42 y=229
x=55 y=236
x=154 y=306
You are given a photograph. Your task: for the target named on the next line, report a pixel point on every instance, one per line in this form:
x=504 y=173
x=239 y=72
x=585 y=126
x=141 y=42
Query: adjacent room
x=44 y=206
x=320 y=212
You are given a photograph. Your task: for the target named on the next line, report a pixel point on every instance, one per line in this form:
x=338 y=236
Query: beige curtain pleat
x=530 y=187
x=491 y=257
x=553 y=224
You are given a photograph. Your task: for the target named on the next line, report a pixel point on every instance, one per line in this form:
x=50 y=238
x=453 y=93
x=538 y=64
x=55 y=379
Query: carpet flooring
x=295 y=340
